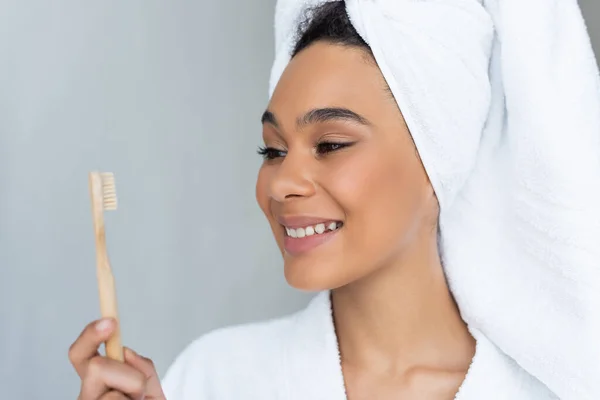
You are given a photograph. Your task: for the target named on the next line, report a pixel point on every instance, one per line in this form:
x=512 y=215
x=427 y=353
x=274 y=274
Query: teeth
x=311 y=230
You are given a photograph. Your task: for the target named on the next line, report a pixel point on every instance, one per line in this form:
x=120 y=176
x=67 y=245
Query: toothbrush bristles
x=109 y=191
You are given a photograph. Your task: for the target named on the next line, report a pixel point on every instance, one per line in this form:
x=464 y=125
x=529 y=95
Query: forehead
x=326 y=75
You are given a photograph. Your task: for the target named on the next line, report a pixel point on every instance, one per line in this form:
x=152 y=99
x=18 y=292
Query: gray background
x=168 y=95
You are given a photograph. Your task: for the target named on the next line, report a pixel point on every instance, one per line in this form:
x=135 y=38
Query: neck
x=403 y=317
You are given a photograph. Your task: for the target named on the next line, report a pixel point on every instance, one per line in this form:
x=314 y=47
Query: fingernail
x=104 y=325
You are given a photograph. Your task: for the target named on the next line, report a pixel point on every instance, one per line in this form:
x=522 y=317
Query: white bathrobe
x=297 y=358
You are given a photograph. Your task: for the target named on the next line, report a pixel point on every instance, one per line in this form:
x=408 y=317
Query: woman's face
x=341 y=185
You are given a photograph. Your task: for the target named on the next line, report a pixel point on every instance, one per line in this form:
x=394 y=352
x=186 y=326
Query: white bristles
x=109 y=191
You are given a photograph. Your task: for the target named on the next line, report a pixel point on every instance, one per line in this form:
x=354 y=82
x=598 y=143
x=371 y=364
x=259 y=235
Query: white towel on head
x=502 y=98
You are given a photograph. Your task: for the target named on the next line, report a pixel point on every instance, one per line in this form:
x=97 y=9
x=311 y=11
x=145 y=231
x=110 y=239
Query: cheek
x=381 y=192
x=262 y=190
x=263 y=199
x=375 y=181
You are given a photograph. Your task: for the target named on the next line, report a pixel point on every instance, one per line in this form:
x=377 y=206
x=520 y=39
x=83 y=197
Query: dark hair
x=330 y=23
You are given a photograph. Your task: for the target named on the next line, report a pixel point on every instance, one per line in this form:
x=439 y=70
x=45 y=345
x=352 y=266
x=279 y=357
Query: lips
x=303 y=234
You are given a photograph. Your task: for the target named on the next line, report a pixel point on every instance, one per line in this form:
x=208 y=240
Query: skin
x=399 y=331
x=105 y=379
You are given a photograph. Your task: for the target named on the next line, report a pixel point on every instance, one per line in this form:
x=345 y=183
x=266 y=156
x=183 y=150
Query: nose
x=291 y=180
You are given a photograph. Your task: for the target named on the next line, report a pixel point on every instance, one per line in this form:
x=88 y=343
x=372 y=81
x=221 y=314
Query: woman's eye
x=270 y=153
x=328 y=147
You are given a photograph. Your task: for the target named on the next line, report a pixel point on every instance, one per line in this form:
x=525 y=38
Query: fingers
x=140 y=363
x=87 y=344
x=146 y=366
x=106 y=379
x=113 y=395
x=104 y=376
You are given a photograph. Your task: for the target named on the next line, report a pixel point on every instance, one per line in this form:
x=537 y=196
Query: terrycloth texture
x=502 y=98
x=297 y=358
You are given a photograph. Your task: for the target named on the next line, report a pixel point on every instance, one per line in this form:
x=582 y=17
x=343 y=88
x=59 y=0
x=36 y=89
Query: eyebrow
x=318 y=115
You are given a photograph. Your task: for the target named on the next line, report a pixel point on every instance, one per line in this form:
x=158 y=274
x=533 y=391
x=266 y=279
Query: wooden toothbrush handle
x=108 y=308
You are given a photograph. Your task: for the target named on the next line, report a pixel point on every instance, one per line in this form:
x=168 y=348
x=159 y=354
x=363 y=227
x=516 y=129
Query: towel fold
x=502 y=99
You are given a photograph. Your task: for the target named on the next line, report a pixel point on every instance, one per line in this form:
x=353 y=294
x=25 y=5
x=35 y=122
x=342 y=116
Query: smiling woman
x=339 y=150
x=338 y=154
x=392 y=187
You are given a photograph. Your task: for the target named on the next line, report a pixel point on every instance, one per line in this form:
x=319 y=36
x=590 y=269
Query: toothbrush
x=104 y=198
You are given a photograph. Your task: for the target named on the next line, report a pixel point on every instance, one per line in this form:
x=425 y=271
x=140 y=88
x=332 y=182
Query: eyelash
x=323 y=148
x=269 y=153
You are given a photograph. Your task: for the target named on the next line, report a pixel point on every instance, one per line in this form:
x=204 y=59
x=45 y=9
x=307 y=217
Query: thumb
x=146 y=366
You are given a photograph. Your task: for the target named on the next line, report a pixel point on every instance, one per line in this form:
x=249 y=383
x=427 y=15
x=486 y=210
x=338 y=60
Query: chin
x=310 y=274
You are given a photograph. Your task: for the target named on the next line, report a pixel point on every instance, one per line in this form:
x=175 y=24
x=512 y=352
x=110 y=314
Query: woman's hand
x=105 y=379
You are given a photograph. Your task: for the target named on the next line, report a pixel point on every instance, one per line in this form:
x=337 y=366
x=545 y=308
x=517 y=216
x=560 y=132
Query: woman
x=360 y=174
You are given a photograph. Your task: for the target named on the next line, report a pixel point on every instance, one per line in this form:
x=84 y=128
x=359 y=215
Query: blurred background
x=168 y=96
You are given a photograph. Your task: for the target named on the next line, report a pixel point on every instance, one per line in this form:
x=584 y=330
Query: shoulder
x=221 y=363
